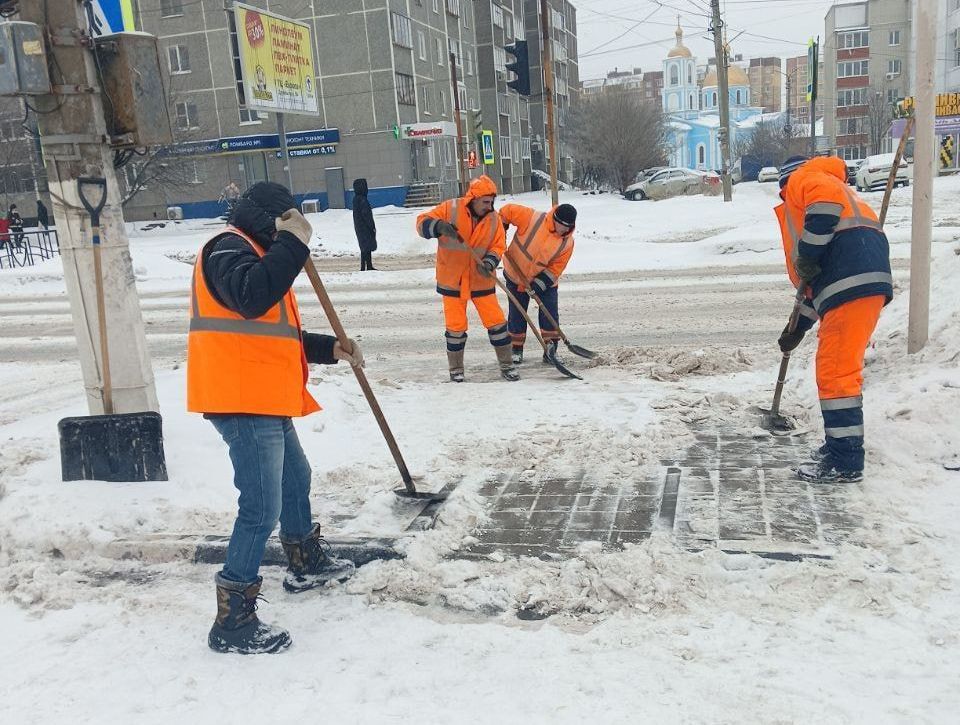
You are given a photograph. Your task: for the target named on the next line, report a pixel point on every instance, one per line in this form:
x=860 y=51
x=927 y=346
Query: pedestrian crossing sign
x=488 y=157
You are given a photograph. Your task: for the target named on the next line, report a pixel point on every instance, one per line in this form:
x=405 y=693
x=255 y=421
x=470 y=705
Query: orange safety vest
x=457 y=265
x=535 y=247
x=235 y=365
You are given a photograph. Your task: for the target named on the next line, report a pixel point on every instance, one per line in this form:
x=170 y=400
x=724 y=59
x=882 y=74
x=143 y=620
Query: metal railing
x=25 y=249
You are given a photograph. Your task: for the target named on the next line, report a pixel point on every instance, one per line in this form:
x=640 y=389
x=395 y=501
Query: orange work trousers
x=844 y=334
x=487 y=306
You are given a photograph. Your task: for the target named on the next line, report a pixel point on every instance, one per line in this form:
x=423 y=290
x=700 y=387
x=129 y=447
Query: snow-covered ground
x=651 y=633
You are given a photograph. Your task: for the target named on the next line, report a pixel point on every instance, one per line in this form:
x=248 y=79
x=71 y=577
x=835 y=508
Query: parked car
x=768 y=173
x=874 y=170
x=671 y=182
x=647 y=173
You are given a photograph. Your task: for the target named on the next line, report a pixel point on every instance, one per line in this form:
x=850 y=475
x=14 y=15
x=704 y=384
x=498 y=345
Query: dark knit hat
x=273 y=198
x=565 y=214
x=789 y=166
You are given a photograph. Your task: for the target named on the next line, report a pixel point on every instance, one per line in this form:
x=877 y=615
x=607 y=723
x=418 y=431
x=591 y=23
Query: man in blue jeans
x=247 y=372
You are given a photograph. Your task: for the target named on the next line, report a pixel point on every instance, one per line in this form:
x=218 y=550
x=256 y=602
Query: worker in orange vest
x=535 y=260
x=247 y=373
x=460 y=277
x=836 y=249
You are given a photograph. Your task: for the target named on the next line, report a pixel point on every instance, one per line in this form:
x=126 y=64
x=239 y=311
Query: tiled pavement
x=724 y=491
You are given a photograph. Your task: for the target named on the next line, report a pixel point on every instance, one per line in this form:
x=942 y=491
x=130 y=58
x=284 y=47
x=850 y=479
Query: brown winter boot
x=237 y=628
x=455 y=362
x=310 y=566
x=505 y=357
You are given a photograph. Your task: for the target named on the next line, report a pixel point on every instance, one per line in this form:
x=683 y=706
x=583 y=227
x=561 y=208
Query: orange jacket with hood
x=457 y=273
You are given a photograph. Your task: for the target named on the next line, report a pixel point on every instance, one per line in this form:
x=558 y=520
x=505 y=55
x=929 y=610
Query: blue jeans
x=273 y=477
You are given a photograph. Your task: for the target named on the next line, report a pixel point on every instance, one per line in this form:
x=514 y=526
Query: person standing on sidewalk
x=364 y=225
x=247 y=373
x=836 y=249
x=461 y=278
x=535 y=260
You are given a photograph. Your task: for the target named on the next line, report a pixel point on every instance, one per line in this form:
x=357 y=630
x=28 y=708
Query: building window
x=425 y=99
x=436 y=9
x=525 y=147
x=849 y=126
x=956 y=46
x=893 y=95
x=852 y=68
x=438 y=46
x=497 y=16
x=504 y=147
x=453 y=7
x=406 y=95
x=851 y=97
x=431 y=151
x=171 y=8
x=179 y=59
x=674 y=76
x=692 y=103
x=422 y=45
x=739 y=98
x=507 y=25
x=194 y=171
x=443 y=102
x=468 y=57
x=500 y=61
x=894 y=37
x=186 y=115
x=248 y=115
x=690 y=75
x=856 y=39
x=701 y=156
x=402 y=30
x=850 y=153
x=462 y=95
x=893 y=67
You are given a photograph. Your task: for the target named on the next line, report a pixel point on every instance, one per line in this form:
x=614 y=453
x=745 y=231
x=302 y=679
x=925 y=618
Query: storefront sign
x=326 y=137
x=426 y=131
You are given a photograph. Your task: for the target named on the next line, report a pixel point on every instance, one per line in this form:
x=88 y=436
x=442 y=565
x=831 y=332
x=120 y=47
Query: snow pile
x=673 y=363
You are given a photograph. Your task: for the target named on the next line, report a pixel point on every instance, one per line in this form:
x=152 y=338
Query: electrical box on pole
x=23 y=60
x=520 y=67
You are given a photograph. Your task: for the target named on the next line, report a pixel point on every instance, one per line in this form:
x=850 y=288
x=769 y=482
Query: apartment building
x=866 y=54
x=503 y=111
x=23 y=178
x=653 y=88
x=796 y=98
x=766 y=75
x=386 y=99
x=563 y=34
x=630 y=81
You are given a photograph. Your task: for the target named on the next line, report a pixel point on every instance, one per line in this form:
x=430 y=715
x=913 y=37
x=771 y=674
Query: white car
x=671 y=182
x=874 y=170
x=768 y=173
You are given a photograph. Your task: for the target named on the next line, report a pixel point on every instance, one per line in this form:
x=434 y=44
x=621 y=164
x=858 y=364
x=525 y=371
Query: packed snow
x=654 y=632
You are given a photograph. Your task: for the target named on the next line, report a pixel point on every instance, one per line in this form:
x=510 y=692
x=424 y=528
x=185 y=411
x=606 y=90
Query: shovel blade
x=117 y=447
x=581 y=351
x=776 y=422
x=551 y=353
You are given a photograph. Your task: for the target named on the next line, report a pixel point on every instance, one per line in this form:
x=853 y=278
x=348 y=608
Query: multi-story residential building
x=616 y=80
x=865 y=57
x=500 y=23
x=765 y=76
x=386 y=99
x=948 y=48
x=566 y=80
x=22 y=175
x=797 y=103
x=653 y=87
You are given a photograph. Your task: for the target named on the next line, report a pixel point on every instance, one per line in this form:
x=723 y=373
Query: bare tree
x=878 y=119
x=615 y=136
x=159 y=169
x=770 y=143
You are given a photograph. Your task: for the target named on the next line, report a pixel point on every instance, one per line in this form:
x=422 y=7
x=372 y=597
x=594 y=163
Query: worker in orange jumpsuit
x=836 y=249
x=535 y=260
x=461 y=278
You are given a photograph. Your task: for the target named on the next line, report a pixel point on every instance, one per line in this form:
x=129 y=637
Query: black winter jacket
x=363 y=223
x=249 y=284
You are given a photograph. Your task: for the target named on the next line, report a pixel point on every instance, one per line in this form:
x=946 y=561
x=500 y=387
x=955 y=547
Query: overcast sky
x=625 y=34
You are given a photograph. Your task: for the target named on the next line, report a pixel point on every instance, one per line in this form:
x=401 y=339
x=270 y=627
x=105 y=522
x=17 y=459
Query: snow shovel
x=575 y=349
x=772 y=420
x=109 y=447
x=550 y=350
x=409 y=490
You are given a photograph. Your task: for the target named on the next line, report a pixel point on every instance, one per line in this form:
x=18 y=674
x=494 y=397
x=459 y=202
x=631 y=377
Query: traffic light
x=520 y=67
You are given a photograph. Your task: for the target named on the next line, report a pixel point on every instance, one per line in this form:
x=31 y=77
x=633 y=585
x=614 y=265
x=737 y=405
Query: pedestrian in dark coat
x=43 y=217
x=364 y=225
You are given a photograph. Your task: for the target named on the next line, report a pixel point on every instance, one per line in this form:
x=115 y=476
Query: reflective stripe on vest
x=199 y=323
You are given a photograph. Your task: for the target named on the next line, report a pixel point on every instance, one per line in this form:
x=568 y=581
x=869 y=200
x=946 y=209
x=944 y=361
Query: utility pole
x=813 y=72
x=284 y=151
x=923 y=157
x=75 y=143
x=720 y=51
x=546 y=60
x=462 y=174
x=786 y=126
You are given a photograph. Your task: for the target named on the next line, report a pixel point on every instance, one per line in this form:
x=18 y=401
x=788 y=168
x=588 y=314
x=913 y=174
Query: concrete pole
x=923 y=157
x=546 y=60
x=284 y=151
x=721 y=55
x=462 y=174
x=75 y=143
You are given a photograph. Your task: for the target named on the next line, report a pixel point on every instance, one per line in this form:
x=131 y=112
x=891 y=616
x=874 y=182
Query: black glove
x=487 y=265
x=789 y=341
x=540 y=284
x=807 y=269
x=445 y=229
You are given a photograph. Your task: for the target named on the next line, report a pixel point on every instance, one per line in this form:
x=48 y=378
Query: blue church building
x=692 y=110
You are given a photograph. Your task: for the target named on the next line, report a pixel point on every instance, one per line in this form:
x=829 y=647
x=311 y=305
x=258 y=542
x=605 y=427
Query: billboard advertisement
x=276 y=62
